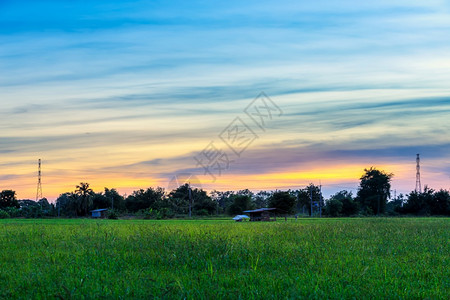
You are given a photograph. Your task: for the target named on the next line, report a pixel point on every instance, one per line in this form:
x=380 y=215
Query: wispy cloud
x=108 y=86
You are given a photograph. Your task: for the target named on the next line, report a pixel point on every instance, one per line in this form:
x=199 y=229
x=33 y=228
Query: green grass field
x=307 y=258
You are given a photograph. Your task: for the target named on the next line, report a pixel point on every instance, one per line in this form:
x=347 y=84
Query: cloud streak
x=141 y=87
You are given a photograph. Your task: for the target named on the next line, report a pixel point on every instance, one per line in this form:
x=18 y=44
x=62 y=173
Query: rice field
x=219 y=259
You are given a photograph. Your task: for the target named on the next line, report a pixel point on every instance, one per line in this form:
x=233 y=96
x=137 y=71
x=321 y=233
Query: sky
x=228 y=95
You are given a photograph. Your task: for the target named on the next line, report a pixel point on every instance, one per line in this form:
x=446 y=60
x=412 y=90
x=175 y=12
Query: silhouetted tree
x=395 y=206
x=333 y=207
x=85 y=193
x=283 y=201
x=115 y=199
x=441 y=203
x=109 y=199
x=143 y=199
x=8 y=199
x=224 y=199
x=33 y=209
x=218 y=198
x=374 y=191
x=201 y=203
x=29 y=209
x=46 y=208
x=98 y=200
x=341 y=204
x=428 y=202
x=68 y=204
x=418 y=203
x=261 y=199
x=25 y=203
x=240 y=204
x=245 y=192
x=304 y=198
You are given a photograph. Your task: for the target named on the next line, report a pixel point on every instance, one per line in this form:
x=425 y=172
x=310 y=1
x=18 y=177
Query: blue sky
x=124 y=94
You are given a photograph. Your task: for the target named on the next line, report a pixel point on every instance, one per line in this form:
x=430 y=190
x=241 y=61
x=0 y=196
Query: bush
x=113 y=215
x=4 y=214
x=151 y=213
x=13 y=212
x=333 y=207
x=32 y=212
x=163 y=213
x=167 y=213
x=202 y=212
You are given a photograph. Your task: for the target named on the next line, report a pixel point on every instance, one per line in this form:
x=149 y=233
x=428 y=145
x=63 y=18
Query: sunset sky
x=127 y=95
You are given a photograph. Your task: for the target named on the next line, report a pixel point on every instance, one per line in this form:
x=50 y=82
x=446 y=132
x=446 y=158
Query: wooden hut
x=99 y=213
x=262 y=214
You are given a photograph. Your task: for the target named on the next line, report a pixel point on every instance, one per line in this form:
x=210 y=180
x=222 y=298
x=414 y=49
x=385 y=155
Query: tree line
x=373 y=198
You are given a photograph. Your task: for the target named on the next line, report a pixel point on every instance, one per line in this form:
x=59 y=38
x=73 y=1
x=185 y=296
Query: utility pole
x=311 y=198
x=320 y=202
x=190 y=200
x=39 y=185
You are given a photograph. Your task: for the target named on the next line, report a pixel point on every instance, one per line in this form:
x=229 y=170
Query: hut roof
x=99 y=210
x=259 y=210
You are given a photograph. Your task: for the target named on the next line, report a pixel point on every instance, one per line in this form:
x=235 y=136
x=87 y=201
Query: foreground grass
x=326 y=258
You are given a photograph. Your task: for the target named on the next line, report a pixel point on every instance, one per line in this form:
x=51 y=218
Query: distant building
x=262 y=214
x=99 y=213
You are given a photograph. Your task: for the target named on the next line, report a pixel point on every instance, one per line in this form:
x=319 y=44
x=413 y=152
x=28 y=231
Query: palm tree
x=84 y=191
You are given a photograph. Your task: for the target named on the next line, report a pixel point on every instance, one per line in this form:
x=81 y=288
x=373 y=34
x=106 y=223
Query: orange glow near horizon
x=57 y=181
x=128 y=105
x=294 y=179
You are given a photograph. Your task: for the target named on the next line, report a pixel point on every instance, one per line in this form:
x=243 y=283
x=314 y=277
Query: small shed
x=99 y=213
x=262 y=214
x=240 y=218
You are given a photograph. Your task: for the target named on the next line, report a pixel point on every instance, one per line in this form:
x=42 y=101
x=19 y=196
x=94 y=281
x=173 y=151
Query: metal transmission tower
x=39 y=185
x=418 y=184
